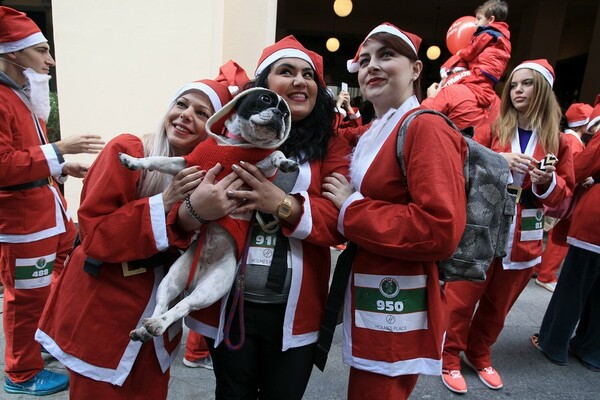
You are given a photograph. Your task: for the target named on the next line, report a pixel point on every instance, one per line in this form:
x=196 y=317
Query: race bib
x=391 y=303
x=262 y=247
x=532 y=224
x=33 y=273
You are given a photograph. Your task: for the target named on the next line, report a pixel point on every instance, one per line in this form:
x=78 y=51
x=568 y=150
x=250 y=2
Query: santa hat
x=540 y=65
x=578 y=114
x=595 y=115
x=221 y=89
x=289 y=47
x=17 y=31
x=411 y=39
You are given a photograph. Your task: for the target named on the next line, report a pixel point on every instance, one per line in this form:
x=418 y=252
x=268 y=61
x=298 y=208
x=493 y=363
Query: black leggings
x=260 y=370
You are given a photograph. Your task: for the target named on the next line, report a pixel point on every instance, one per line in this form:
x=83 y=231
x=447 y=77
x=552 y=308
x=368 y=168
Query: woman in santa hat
x=287 y=264
x=394 y=313
x=574 y=303
x=109 y=284
x=526 y=130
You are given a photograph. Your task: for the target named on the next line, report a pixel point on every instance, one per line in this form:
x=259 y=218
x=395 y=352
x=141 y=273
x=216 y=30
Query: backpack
x=490 y=207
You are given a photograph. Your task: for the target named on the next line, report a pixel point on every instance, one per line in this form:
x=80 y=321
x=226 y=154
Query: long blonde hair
x=157 y=144
x=544 y=114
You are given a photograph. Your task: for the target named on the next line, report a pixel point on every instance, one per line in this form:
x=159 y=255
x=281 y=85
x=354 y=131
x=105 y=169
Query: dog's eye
x=265 y=99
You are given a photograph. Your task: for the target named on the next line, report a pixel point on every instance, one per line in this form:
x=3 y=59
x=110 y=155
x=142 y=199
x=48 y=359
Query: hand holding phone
x=549 y=159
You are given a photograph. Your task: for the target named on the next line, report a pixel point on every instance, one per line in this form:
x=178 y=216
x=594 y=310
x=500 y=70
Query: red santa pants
x=476 y=333
x=195 y=347
x=554 y=254
x=145 y=381
x=27 y=270
x=364 y=385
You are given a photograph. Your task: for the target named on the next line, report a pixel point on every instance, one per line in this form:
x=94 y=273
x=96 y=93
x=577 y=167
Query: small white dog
x=258 y=121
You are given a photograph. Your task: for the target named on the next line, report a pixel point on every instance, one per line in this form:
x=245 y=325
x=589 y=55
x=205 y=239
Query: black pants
x=576 y=299
x=260 y=370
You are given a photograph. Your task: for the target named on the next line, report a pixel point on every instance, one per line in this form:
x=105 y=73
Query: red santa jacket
x=584 y=230
x=525 y=248
x=209 y=152
x=466 y=104
x=115 y=226
x=309 y=244
x=488 y=53
x=30 y=214
x=394 y=313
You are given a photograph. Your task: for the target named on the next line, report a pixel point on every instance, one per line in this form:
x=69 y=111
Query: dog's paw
x=154 y=326
x=128 y=161
x=288 y=166
x=140 y=335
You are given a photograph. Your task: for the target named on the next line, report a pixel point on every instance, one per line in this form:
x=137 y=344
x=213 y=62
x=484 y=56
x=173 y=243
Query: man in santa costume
x=36 y=231
x=578 y=115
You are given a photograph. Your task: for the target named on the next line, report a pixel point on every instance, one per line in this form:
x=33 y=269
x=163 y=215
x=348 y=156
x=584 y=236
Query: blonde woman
x=526 y=130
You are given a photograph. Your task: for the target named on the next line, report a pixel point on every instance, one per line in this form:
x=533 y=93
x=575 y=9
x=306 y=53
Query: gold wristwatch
x=284 y=210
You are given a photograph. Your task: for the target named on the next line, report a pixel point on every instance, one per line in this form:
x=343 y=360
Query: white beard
x=39 y=93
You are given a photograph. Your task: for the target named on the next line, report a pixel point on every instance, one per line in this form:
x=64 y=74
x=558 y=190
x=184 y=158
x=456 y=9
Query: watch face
x=285 y=209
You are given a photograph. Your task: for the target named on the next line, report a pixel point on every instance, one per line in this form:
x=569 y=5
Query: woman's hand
x=75 y=169
x=182 y=184
x=433 y=89
x=80 y=144
x=521 y=163
x=259 y=193
x=337 y=189
x=542 y=178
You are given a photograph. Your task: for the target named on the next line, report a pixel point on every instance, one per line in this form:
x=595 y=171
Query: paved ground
x=526 y=373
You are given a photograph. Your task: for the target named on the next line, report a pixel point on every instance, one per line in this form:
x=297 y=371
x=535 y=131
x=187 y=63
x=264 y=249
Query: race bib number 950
x=391 y=303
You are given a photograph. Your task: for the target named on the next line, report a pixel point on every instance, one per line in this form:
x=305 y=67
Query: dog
x=257 y=121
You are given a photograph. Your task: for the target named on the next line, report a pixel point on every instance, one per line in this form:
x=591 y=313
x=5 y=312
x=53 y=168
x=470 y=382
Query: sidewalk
x=526 y=373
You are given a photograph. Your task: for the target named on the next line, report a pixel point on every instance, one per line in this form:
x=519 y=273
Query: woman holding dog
x=109 y=285
x=391 y=334
x=286 y=292
x=526 y=130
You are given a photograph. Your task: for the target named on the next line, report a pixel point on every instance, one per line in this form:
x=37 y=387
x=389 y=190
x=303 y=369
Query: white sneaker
x=549 y=286
x=205 y=362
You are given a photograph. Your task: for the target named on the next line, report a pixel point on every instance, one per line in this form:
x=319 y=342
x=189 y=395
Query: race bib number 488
x=391 y=303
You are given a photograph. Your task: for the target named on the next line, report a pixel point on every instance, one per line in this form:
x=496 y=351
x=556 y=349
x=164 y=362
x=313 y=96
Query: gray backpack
x=490 y=208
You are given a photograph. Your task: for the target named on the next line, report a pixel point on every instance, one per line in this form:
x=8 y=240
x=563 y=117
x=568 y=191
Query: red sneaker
x=488 y=375
x=454 y=381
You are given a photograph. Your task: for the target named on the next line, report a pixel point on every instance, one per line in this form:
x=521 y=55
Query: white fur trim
x=353 y=66
x=593 y=122
x=537 y=67
x=575 y=124
x=204 y=88
x=283 y=53
x=24 y=43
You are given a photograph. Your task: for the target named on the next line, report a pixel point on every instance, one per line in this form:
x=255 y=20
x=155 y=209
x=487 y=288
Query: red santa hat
x=411 y=39
x=578 y=114
x=290 y=47
x=595 y=115
x=540 y=65
x=17 y=31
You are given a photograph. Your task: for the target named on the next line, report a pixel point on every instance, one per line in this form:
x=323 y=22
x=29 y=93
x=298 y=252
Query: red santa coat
x=87 y=319
x=394 y=311
x=488 y=53
x=524 y=248
x=31 y=214
x=584 y=232
x=310 y=256
x=467 y=105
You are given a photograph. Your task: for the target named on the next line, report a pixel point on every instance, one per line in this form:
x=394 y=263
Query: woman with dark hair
x=394 y=312
x=287 y=259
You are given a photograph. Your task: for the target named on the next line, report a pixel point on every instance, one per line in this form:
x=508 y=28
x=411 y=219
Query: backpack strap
x=402 y=136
